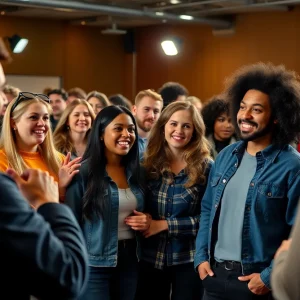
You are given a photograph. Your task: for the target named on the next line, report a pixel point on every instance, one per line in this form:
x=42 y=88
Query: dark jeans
x=115 y=283
x=224 y=285
x=179 y=282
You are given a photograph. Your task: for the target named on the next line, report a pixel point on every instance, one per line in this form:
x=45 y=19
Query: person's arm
x=285 y=277
x=261 y=283
x=47 y=244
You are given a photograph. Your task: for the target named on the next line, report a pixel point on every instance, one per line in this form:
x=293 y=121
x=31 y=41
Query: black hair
x=211 y=111
x=93 y=200
x=170 y=92
x=60 y=92
x=282 y=87
x=120 y=100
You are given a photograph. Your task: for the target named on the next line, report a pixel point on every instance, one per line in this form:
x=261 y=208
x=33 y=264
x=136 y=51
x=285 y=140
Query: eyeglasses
x=23 y=96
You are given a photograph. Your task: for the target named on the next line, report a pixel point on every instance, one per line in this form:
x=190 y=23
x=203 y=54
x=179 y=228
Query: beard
x=141 y=125
x=258 y=134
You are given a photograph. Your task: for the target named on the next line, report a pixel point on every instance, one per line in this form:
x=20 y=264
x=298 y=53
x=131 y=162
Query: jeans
x=115 y=283
x=224 y=285
x=179 y=282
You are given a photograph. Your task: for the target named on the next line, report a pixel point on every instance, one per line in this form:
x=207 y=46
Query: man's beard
x=257 y=134
x=141 y=125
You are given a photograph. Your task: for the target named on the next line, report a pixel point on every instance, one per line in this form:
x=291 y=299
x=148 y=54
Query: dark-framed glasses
x=23 y=96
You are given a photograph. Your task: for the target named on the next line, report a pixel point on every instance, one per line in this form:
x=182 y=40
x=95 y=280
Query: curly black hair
x=212 y=110
x=170 y=92
x=282 y=87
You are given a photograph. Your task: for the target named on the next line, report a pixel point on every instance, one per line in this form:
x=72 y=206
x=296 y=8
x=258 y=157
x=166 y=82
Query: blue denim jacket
x=101 y=236
x=270 y=207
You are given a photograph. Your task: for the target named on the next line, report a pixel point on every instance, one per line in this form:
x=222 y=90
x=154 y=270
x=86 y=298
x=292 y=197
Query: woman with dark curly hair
x=219 y=129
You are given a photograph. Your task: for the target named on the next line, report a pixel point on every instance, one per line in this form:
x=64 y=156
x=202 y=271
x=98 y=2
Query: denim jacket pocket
x=269 y=199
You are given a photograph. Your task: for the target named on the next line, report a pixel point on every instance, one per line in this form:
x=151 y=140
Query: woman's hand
x=139 y=221
x=67 y=171
x=156 y=226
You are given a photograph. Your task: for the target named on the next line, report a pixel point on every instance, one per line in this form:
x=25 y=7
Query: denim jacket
x=270 y=206
x=101 y=235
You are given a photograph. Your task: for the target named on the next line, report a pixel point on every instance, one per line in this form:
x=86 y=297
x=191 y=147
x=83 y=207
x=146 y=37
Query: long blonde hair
x=62 y=139
x=196 y=154
x=8 y=139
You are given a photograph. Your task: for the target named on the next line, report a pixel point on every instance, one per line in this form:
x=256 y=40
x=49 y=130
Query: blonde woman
x=72 y=131
x=26 y=140
x=97 y=100
x=177 y=163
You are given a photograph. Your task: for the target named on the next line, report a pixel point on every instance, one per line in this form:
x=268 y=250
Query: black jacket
x=41 y=253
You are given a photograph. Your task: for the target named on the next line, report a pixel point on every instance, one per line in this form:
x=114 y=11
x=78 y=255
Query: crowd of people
x=165 y=198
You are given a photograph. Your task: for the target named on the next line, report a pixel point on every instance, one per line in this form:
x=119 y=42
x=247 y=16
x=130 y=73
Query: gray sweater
x=285 y=277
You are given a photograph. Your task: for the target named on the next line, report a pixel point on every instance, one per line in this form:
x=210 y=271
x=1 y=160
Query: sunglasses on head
x=23 y=96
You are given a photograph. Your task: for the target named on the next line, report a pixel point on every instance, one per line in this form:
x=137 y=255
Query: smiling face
x=179 y=130
x=146 y=113
x=58 y=104
x=32 y=127
x=223 y=128
x=254 y=116
x=80 y=120
x=119 y=136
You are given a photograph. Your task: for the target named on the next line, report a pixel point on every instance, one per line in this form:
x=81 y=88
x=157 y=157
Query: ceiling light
x=17 y=44
x=169 y=47
x=175 y=1
x=159 y=13
x=186 y=17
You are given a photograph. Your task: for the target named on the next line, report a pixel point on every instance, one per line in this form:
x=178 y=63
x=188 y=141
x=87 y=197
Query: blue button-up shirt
x=180 y=207
x=270 y=206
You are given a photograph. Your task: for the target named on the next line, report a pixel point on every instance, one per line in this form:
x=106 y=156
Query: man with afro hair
x=251 y=200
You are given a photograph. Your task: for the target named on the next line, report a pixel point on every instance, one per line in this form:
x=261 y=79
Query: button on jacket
x=270 y=207
x=101 y=235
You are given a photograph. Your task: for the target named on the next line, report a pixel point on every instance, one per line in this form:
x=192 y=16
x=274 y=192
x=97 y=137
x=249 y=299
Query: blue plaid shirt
x=180 y=207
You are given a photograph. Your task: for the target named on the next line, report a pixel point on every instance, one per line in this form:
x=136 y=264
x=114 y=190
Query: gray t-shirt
x=229 y=244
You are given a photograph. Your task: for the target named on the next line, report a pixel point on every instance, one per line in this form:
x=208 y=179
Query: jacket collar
x=270 y=153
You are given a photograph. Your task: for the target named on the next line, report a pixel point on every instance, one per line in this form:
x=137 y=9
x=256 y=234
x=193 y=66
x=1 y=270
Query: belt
x=229 y=265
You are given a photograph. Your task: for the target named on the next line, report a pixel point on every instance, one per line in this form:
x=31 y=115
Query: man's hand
x=255 y=285
x=285 y=245
x=204 y=270
x=37 y=186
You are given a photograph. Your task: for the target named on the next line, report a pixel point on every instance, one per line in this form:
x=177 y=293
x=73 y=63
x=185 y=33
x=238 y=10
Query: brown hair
x=149 y=93
x=196 y=154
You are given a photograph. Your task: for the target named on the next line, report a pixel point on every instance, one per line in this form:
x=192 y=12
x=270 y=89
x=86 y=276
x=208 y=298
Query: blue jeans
x=115 y=283
x=179 y=282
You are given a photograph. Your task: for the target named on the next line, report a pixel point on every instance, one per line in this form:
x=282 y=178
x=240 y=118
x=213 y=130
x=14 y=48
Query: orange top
x=33 y=160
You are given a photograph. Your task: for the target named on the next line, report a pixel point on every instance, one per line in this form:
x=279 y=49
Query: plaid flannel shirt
x=180 y=207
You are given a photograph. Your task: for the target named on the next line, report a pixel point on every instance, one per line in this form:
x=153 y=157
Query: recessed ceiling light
x=175 y=1
x=186 y=17
x=159 y=13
